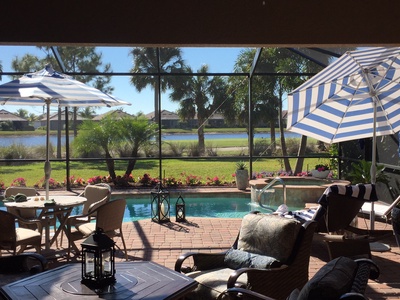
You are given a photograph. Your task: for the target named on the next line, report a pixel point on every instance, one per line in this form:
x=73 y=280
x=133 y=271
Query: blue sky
x=219 y=60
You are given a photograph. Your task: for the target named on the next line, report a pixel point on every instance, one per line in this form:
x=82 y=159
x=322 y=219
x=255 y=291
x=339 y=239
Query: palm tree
x=153 y=61
x=201 y=95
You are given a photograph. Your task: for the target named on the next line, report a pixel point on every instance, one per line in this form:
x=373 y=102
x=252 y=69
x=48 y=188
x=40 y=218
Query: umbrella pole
x=373 y=166
x=47 y=166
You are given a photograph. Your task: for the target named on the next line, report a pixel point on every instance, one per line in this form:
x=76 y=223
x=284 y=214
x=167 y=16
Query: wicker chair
x=339 y=207
x=12 y=237
x=109 y=217
x=29 y=214
x=16 y=267
x=270 y=252
x=341 y=278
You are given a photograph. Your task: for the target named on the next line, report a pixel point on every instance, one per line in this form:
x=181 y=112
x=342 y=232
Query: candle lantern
x=160 y=205
x=98 y=260
x=180 y=210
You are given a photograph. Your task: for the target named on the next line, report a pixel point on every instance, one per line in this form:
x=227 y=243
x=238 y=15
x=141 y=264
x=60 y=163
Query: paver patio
x=163 y=243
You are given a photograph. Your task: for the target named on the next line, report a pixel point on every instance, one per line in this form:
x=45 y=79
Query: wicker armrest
x=262 y=274
x=36 y=222
x=201 y=261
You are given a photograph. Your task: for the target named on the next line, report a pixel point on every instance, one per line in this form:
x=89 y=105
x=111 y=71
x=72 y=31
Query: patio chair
x=96 y=196
x=16 y=267
x=29 y=214
x=336 y=215
x=383 y=210
x=341 y=278
x=109 y=217
x=11 y=236
x=269 y=253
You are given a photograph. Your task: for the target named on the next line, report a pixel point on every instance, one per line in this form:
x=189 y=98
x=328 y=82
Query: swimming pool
x=207 y=206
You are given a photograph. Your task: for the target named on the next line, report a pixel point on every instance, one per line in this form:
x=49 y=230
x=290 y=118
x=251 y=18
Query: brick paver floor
x=163 y=243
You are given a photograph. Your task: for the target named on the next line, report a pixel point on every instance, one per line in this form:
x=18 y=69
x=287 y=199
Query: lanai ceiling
x=228 y=23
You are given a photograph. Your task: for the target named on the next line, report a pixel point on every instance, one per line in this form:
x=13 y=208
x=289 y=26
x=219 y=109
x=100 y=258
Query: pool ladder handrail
x=270 y=185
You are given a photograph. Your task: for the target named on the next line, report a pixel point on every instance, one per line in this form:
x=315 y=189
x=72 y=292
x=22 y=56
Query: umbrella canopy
x=50 y=88
x=357 y=96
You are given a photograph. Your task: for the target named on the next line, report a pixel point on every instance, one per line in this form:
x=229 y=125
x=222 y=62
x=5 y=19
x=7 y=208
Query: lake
x=40 y=140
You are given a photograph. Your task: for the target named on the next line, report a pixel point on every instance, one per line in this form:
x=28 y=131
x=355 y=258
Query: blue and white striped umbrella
x=345 y=100
x=50 y=88
x=355 y=97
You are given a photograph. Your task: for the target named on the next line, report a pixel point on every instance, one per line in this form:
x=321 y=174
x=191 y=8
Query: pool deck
x=163 y=243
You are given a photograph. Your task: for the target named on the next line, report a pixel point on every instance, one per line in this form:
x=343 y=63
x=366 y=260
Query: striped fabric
x=50 y=87
x=337 y=104
x=366 y=192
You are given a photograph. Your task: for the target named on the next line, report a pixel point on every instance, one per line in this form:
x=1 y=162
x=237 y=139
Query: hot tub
x=299 y=190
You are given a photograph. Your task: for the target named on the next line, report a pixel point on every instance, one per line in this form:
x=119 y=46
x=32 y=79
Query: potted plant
x=320 y=171
x=242 y=175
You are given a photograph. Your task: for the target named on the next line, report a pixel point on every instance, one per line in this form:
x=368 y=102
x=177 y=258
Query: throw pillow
x=269 y=235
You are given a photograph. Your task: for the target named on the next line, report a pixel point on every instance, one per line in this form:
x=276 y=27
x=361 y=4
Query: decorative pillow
x=268 y=235
x=236 y=259
x=331 y=281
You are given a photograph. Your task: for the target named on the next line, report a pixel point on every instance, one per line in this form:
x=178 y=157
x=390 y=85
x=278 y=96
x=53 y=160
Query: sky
x=219 y=60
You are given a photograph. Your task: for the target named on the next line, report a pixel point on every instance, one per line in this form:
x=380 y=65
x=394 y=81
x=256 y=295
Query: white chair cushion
x=25 y=233
x=212 y=283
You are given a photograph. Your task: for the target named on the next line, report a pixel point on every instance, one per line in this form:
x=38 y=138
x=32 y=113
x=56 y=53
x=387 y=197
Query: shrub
x=19 y=182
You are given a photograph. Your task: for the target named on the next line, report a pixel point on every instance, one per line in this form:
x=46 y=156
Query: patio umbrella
x=50 y=88
x=357 y=96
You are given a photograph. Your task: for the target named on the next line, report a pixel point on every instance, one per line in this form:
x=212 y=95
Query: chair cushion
x=236 y=259
x=25 y=233
x=212 y=283
x=86 y=228
x=268 y=235
x=331 y=281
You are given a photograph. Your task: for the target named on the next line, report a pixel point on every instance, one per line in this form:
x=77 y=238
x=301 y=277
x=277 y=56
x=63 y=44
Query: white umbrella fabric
x=355 y=97
x=51 y=88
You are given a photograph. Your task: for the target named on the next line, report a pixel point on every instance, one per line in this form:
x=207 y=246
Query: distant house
x=168 y=119
x=17 y=122
x=118 y=113
x=42 y=120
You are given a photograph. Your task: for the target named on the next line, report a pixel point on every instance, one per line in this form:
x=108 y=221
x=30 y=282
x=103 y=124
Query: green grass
x=177 y=168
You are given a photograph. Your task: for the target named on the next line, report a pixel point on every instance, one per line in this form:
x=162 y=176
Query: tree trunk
x=273 y=136
x=111 y=166
x=283 y=142
x=130 y=167
x=200 y=134
x=302 y=152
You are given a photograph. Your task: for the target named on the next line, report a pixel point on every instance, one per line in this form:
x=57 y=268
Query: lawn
x=200 y=169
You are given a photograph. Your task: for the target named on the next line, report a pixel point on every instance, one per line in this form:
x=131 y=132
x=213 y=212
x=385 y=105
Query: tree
x=152 y=61
x=104 y=134
x=201 y=96
x=111 y=133
x=136 y=132
x=264 y=101
x=23 y=113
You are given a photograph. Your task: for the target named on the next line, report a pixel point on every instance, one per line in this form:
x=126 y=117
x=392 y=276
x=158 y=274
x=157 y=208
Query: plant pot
x=242 y=179
x=320 y=174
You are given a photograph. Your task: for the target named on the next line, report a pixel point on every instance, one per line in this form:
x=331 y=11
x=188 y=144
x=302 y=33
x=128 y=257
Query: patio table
x=135 y=280
x=61 y=209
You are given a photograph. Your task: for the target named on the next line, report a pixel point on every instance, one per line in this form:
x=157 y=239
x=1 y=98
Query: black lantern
x=98 y=260
x=180 y=210
x=160 y=205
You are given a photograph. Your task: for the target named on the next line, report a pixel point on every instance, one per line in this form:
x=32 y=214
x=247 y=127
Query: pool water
x=207 y=207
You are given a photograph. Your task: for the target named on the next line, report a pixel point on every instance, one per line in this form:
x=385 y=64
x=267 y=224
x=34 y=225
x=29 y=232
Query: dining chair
x=12 y=236
x=96 y=195
x=109 y=217
x=29 y=214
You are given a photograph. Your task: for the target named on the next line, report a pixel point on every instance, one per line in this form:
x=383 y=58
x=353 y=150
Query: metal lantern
x=98 y=260
x=160 y=205
x=180 y=210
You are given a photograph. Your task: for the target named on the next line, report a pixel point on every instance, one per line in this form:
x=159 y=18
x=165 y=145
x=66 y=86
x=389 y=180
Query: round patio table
x=57 y=206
